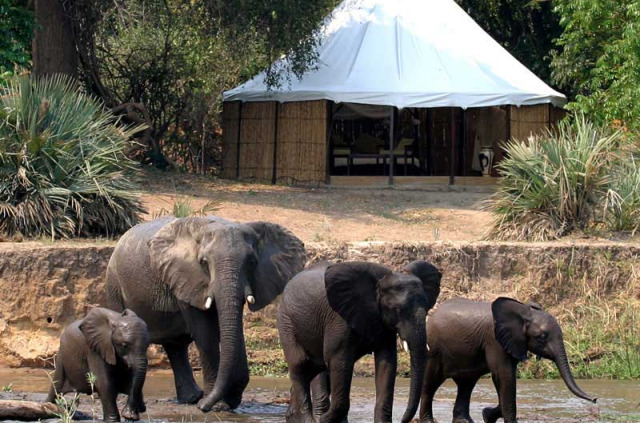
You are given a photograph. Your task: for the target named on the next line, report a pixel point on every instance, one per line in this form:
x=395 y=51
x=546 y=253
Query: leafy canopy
x=599 y=59
x=16 y=30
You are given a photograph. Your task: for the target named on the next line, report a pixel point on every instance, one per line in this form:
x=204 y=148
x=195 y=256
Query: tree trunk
x=27 y=410
x=53 y=45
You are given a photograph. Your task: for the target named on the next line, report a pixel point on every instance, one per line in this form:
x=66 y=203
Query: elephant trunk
x=565 y=372
x=139 y=370
x=233 y=361
x=418 y=351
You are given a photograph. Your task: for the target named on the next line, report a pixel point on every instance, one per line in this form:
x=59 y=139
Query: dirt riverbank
x=593 y=289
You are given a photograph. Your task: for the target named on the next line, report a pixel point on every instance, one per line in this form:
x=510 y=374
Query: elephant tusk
x=207 y=304
x=251 y=299
x=405 y=346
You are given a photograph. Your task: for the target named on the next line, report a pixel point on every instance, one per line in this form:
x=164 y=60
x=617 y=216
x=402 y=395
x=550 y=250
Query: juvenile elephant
x=189 y=279
x=332 y=314
x=468 y=339
x=113 y=347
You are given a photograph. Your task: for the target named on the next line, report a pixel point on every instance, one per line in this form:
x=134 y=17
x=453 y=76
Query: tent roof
x=407 y=53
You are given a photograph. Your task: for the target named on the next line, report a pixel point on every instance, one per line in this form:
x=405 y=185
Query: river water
x=265 y=400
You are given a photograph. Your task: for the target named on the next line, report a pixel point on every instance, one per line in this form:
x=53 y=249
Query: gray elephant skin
x=330 y=315
x=113 y=347
x=468 y=339
x=189 y=279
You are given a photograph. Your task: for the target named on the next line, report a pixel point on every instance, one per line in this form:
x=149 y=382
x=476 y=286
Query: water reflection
x=265 y=399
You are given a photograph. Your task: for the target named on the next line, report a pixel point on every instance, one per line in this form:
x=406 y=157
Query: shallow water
x=265 y=399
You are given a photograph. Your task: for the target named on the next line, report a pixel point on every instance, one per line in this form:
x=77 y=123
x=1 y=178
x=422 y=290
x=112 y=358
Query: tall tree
x=54 y=48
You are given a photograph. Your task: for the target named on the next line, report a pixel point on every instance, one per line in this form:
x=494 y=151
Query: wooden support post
x=452 y=161
x=238 y=141
x=392 y=142
x=274 y=176
x=329 y=162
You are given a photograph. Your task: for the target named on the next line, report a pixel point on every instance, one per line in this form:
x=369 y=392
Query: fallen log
x=27 y=410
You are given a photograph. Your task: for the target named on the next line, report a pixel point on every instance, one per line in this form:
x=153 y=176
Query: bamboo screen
x=256 y=140
x=301 y=152
x=230 y=114
x=529 y=120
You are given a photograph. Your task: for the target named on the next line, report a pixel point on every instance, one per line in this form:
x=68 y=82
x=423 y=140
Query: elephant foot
x=490 y=415
x=220 y=406
x=429 y=420
x=190 y=397
x=130 y=414
x=462 y=420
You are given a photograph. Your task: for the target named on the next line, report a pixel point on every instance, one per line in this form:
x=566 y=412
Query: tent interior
x=360 y=141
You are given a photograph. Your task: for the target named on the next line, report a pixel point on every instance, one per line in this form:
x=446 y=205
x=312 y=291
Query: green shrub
x=563 y=181
x=63 y=171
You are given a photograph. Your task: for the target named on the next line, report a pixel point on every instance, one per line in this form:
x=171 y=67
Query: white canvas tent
x=407 y=53
x=442 y=87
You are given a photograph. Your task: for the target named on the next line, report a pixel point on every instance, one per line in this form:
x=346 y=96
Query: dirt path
x=329 y=215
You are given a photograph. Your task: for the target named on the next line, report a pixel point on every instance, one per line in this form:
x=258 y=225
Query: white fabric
x=407 y=53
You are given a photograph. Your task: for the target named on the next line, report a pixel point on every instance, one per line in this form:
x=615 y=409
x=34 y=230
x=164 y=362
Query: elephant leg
x=108 y=393
x=386 y=363
x=506 y=375
x=492 y=414
x=340 y=375
x=187 y=389
x=433 y=378
x=209 y=350
x=461 y=407
x=320 y=391
x=57 y=384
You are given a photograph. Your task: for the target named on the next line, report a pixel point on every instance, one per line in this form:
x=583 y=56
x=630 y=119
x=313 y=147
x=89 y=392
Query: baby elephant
x=113 y=347
x=468 y=339
x=332 y=314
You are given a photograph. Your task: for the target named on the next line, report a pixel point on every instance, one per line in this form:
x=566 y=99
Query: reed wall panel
x=527 y=121
x=256 y=140
x=302 y=142
x=230 y=115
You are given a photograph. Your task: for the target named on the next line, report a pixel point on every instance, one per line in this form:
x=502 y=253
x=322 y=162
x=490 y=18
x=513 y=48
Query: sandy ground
x=324 y=214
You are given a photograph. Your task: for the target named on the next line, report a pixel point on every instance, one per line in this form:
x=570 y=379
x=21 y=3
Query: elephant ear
x=281 y=255
x=97 y=330
x=535 y=305
x=511 y=319
x=352 y=291
x=430 y=277
x=174 y=256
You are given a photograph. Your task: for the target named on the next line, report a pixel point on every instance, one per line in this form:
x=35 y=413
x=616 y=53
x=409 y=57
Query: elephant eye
x=542 y=338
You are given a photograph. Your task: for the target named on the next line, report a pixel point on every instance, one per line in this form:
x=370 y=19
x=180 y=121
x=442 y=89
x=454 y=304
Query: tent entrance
x=436 y=142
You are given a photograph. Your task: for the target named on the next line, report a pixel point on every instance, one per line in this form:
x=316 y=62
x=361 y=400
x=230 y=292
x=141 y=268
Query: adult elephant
x=468 y=339
x=330 y=315
x=188 y=279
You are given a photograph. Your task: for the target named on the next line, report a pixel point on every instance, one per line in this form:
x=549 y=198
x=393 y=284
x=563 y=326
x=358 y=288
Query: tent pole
x=238 y=141
x=452 y=161
x=392 y=133
x=274 y=176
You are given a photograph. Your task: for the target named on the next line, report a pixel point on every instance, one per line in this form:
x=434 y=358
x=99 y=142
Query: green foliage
x=599 y=59
x=176 y=58
x=185 y=208
x=16 y=31
x=563 y=181
x=527 y=29
x=63 y=171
